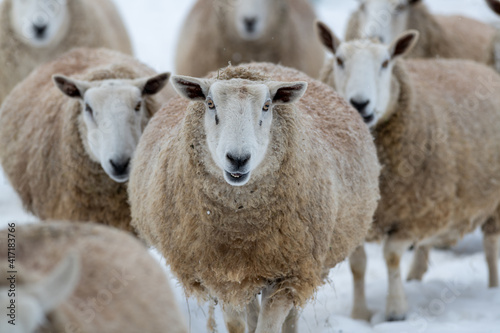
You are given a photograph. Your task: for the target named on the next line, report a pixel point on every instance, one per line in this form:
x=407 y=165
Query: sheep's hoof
x=395 y=317
x=361 y=314
x=415 y=276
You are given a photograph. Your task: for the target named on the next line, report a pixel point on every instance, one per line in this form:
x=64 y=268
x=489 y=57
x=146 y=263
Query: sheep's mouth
x=369 y=118
x=236 y=177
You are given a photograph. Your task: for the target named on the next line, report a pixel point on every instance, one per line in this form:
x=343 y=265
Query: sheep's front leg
x=491 y=248
x=290 y=324
x=253 y=310
x=357 y=262
x=234 y=319
x=397 y=305
x=274 y=310
x=420 y=263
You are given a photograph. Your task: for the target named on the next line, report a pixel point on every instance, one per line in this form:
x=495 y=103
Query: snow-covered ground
x=452 y=297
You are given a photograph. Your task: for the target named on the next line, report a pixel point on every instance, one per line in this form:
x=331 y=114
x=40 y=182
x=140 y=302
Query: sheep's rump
x=283 y=228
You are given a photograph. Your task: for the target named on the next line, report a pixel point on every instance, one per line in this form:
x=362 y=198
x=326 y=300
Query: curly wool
x=94 y=23
x=42 y=151
x=111 y=262
x=305 y=212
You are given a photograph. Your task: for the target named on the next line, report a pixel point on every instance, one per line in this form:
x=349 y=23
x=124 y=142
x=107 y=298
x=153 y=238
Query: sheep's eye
x=210 y=104
x=266 y=106
x=340 y=62
x=89 y=109
x=385 y=64
x=399 y=8
x=138 y=107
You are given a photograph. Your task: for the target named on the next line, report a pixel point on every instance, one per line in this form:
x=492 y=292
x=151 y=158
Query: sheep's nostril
x=359 y=105
x=238 y=161
x=39 y=30
x=250 y=23
x=120 y=167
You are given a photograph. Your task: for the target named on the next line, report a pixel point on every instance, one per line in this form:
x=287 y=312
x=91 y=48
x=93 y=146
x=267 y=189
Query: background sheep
x=33 y=32
x=222 y=31
x=108 y=283
x=67 y=158
x=250 y=189
x=440 y=36
x=435 y=124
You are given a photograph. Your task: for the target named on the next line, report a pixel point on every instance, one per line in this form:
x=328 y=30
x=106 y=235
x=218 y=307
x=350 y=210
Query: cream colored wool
x=290 y=40
x=94 y=23
x=306 y=208
x=42 y=137
x=455 y=37
x=122 y=289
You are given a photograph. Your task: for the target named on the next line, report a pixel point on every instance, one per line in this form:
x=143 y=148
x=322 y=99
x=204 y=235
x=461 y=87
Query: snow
x=453 y=297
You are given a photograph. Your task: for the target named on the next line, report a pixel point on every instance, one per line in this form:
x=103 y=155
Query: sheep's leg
x=253 y=310
x=290 y=324
x=274 y=310
x=234 y=319
x=397 y=305
x=420 y=263
x=491 y=248
x=357 y=261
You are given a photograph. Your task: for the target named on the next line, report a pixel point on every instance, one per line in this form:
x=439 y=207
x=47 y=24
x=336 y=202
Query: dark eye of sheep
x=210 y=104
x=266 y=106
x=89 y=109
x=340 y=62
x=138 y=107
x=385 y=64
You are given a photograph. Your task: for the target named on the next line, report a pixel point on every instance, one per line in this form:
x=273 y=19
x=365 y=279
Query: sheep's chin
x=240 y=180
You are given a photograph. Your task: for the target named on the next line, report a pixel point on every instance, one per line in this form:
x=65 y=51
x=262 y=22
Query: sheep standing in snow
x=66 y=142
x=251 y=188
x=239 y=31
x=33 y=32
x=103 y=285
x=435 y=124
x=440 y=36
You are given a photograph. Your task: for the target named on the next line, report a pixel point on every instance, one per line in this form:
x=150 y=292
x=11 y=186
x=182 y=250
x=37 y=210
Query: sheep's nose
x=360 y=105
x=120 y=166
x=238 y=162
x=250 y=23
x=39 y=30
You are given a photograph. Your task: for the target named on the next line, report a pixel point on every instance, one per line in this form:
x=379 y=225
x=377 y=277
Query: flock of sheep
x=252 y=179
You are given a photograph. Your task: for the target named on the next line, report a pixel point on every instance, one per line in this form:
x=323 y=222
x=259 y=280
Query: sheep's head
x=40 y=23
x=362 y=70
x=238 y=119
x=34 y=301
x=115 y=115
x=384 y=19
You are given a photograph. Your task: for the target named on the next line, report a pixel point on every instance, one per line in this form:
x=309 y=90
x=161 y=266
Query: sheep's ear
x=413 y=2
x=327 y=37
x=191 y=88
x=54 y=289
x=404 y=43
x=154 y=84
x=286 y=92
x=70 y=87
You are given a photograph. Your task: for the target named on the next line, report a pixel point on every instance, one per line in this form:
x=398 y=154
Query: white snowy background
x=453 y=296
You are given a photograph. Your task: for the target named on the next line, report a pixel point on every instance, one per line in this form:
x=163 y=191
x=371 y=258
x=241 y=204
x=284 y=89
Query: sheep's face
x=362 y=71
x=384 y=19
x=253 y=17
x=238 y=119
x=40 y=23
x=114 y=114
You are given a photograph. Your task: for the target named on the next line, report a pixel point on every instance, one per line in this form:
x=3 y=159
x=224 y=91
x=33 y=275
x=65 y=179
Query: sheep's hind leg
x=274 y=309
x=420 y=263
x=357 y=262
x=253 y=310
x=234 y=319
x=397 y=306
x=290 y=324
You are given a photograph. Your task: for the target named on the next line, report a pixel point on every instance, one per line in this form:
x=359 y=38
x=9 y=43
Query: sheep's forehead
x=363 y=50
x=238 y=91
x=115 y=92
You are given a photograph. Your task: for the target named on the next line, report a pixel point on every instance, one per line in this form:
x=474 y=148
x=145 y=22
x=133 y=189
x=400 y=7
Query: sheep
x=245 y=187
x=107 y=283
x=33 y=32
x=240 y=31
x=435 y=124
x=440 y=36
x=66 y=142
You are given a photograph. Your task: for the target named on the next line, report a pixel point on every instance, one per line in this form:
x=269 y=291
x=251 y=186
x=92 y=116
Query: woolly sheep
x=435 y=124
x=67 y=157
x=440 y=36
x=107 y=283
x=239 y=31
x=33 y=32
x=248 y=189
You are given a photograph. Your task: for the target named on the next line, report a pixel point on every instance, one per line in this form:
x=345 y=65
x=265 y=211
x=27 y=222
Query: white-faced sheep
x=66 y=142
x=435 y=124
x=85 y=278
x=251 y=188
x=33 y=32
x=440 y=36
x=240 y=31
